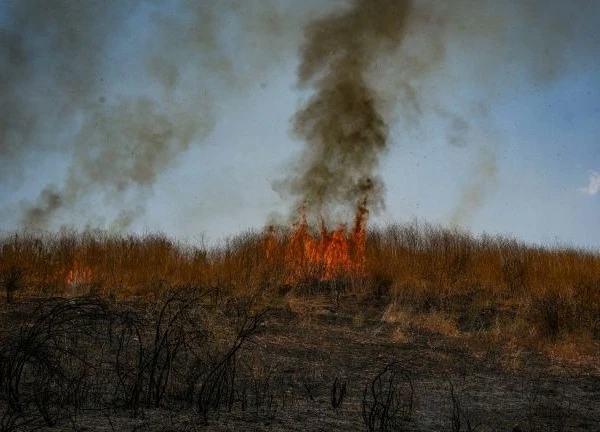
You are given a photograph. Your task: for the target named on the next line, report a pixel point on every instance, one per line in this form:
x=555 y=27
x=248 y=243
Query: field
x=422 y=328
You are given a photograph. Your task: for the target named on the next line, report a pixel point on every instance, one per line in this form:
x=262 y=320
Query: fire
x=79 y=274
x=327 y=254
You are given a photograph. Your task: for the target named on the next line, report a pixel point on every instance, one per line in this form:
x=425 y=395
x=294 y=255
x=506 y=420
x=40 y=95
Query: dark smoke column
x=345 y=133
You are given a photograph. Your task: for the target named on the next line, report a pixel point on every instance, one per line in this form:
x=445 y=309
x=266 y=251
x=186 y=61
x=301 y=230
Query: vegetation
x=491 y=286
x=102 y=323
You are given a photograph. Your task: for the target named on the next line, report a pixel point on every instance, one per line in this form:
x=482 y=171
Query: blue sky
x=505 y=140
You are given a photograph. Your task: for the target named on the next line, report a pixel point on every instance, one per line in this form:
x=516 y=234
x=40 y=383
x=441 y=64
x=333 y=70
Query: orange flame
x=327 y=254
x=79 y=274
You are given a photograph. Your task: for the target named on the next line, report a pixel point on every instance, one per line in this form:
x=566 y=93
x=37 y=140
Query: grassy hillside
x=416 y=272
x=269 y=325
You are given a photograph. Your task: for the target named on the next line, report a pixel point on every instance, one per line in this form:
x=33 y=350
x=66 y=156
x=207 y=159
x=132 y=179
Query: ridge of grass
x=495 y=287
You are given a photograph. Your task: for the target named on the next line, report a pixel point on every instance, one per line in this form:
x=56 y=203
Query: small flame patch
x=79 y=274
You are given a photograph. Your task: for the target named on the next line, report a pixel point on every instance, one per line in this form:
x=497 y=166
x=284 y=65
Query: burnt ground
x=453 y=387
x=316 y=369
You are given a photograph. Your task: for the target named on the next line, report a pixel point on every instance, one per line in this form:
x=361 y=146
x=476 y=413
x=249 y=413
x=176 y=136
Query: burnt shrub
x=86 y=354
x=388 y=400
x=218 y=388
x=45 y=371
x=154 y=350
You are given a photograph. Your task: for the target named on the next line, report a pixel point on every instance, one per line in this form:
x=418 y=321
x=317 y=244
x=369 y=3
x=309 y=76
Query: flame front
x=327 y=254
x=79 y=274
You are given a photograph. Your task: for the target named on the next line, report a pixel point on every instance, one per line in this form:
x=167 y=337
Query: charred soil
x=320 y=362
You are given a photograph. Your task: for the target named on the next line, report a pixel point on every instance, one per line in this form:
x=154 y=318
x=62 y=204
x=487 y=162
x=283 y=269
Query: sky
x=204 y=119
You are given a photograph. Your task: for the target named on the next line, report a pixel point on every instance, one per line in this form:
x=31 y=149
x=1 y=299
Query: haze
x=185 y=117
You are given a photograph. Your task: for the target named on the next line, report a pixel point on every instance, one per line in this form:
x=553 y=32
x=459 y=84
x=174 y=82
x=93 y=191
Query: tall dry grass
x=69 y=262
x=489 y=285
x=482 y=284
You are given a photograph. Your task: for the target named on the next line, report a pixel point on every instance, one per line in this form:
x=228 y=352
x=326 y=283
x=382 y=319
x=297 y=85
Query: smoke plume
x=343 y=128
x=381 y=61
x=115 y=92
x=482 y=177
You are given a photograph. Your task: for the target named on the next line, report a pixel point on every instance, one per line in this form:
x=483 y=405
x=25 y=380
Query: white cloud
x=593 y=186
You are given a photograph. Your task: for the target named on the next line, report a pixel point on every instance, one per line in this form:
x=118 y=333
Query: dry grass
x=442 y=280
x=491 y=287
